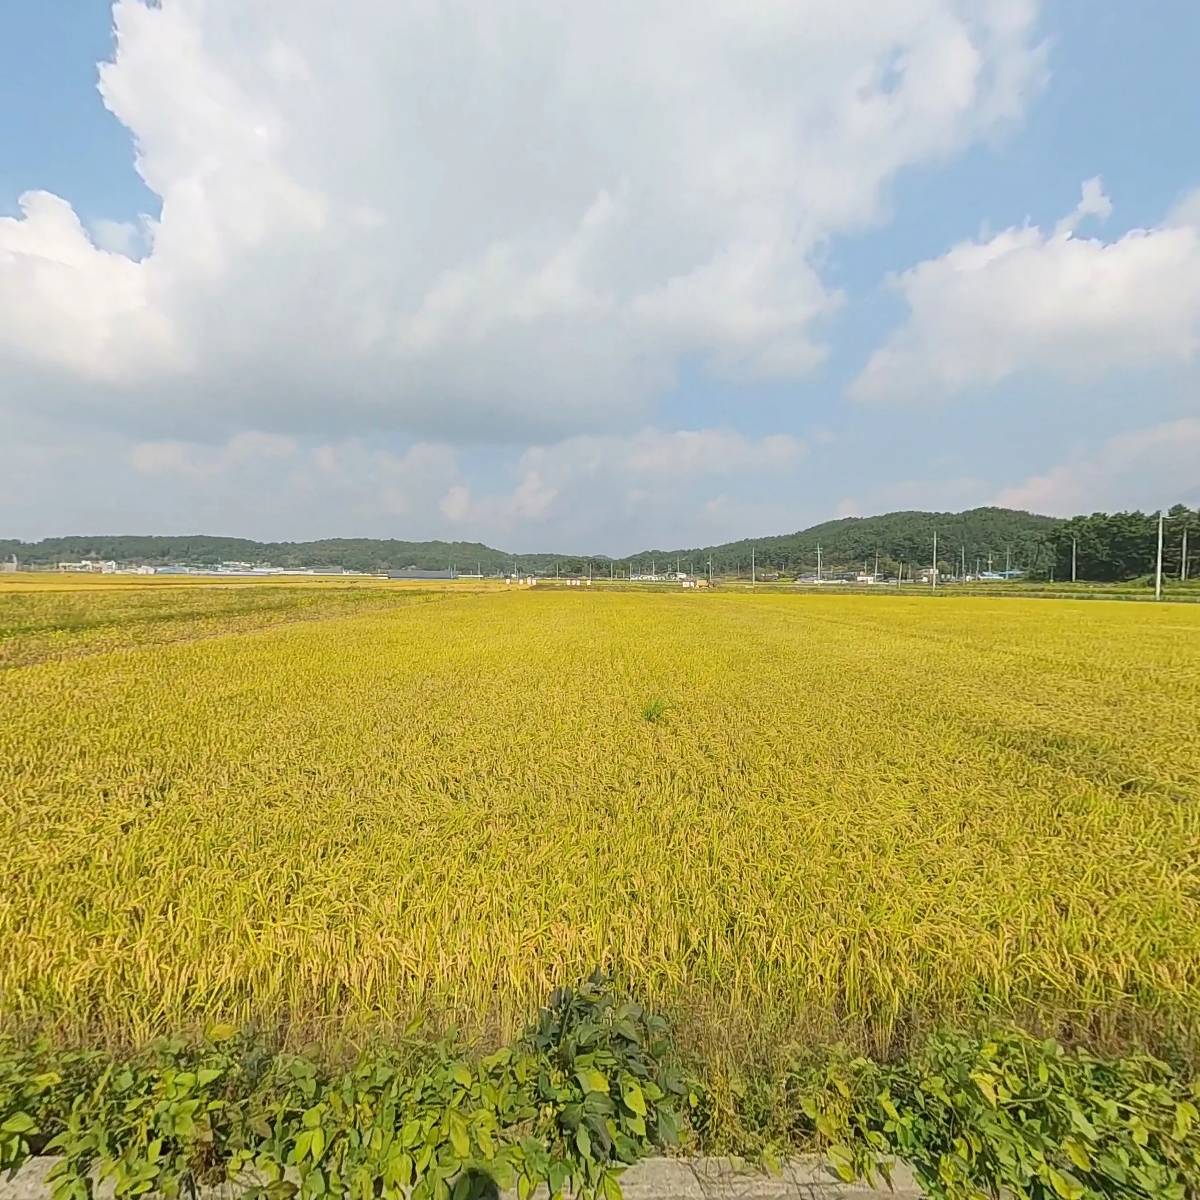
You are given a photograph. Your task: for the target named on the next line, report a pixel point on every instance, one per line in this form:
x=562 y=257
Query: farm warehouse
x=856 y=818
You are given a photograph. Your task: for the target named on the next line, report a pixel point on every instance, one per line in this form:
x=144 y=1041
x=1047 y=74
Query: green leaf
x=632 y=1096
x=221 y=1032
x=1077 y=1154
x=666 y=1128
x=842 y=1161
x=583 y=1141
x=461 y=1074
x=592 y=1080
x=826 y=1128
x=19 y=1122
x=557 y=1177
x=316 y=1145
x=986 y=1084
x=1079 y=1121
x=1067 y=1186
x=502 y=1172
x=460 y=1138
x=1185 y=1118
x=486 y=1145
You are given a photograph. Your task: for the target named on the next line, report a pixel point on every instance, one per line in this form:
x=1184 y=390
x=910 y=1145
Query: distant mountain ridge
x=1019 y=537
x=1006 y=534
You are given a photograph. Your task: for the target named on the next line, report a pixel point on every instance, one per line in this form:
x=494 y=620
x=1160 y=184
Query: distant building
x=105 y=567
x=10 y=565
x=419 y=573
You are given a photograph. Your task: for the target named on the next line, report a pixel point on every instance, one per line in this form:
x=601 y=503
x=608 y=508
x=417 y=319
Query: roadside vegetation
x=586 y=1091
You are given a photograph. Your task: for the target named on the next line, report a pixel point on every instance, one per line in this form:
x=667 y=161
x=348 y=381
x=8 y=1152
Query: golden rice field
x=857 y=817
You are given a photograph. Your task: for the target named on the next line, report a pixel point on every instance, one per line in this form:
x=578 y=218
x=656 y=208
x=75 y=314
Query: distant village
x=630 y=573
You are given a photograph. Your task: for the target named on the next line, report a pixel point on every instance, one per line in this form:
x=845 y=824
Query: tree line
x=1110 y=547
x=1107 y=547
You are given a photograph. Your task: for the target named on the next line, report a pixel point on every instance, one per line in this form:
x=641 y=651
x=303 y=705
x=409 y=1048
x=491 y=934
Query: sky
x=592 y=278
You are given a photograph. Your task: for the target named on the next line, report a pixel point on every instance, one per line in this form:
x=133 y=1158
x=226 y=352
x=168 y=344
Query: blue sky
x=546 y=283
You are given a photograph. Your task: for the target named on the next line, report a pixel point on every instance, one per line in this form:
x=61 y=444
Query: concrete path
x=653 y=1179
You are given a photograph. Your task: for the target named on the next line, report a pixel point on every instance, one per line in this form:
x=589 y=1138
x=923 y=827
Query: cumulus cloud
x=588 y=492
x=1149 y=468
x=482 y=223
x=1025 y=300
x=246 y=449
x=934 y=494
x=652 y=470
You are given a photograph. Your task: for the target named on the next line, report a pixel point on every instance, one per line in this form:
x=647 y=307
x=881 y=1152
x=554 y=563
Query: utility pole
x=933 y=577
x=818 y=562
x=753 y=572
x=876 y=564
x=1007 y=560
x=900 y=575
x=1158 y=561
x=964 y=561
x=1074 y=551
x=710 y=570
x=1183 y=554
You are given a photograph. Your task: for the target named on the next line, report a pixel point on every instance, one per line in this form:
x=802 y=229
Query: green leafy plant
x=1007 y=1114
x=586 y=1091
x=654 y=710
x=591 y=1087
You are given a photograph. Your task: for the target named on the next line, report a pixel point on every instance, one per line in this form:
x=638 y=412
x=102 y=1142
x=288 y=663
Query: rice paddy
x=851 y=818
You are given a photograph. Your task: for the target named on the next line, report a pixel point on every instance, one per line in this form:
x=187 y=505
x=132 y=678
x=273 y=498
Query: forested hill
x=353 y=554
x=898 y=536
x=906 y=536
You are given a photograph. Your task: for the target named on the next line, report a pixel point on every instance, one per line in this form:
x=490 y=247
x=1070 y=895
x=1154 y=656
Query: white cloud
x=456 y=503
x=1025 y=300
x=654 y=477
x=65 y=304
x=937 y=493
x=1147 y=468
x=1093 y=202
x=707 y=451
x=482 y=222
x=588 y=492
x=247 y=449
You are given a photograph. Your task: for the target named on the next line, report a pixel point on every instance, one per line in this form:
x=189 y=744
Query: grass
x=865 y=818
